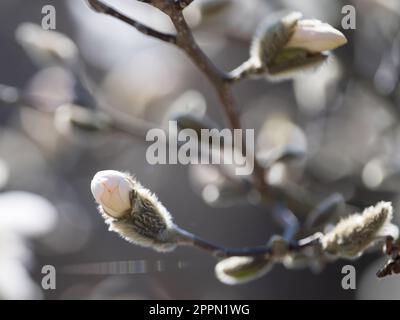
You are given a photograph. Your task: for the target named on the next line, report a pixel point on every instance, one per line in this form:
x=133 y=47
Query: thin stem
x=246 y=70
x=101 y=7
x=288 y=222
x=186 y=238
x=187 y=43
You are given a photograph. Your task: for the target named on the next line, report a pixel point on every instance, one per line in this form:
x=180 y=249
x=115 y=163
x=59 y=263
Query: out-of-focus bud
x=191 y=103
x=70 y=116
x=134 y=212
x=46 y=47
x=325 y=212
x=188 y=121
x=218 y=189
x=353 y=235
x=9 y=95
x=271 y=38
x=280 y=139
x=284 y=154
x=239 y=270
x=111 y=190
x=227 y=193
x=82 y=126
x=285 y=46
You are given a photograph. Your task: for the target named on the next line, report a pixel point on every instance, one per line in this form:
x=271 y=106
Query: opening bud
x=282 y=47
x=111 y=190
x=133 y=211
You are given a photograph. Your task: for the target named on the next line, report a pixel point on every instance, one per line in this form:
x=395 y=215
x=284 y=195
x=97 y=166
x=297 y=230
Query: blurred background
x=71 y=108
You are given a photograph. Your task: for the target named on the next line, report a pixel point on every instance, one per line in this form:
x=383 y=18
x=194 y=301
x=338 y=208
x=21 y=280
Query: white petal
x=111 y=189
x=316 y=36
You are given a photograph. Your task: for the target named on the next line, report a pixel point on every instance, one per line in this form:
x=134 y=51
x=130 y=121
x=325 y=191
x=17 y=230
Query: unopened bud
x=358 y=232
x=72 y=116
x=316 y=36
x=238 y=270
x=133 y=211
x=46 y=47
x=283 y=47
x=111 y=190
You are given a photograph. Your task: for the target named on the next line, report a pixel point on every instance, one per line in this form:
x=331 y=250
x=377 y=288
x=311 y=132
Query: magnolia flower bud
x=316 y=36
x=238 y=270
x=353 y=235
x=73 y=116
x=111 y=189
x=47 y=47
x=285 y=46
x=134 y=212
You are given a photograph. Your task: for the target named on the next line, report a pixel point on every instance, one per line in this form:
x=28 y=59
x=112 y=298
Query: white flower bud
x=271 y=38
x=316 y=36
x=46 y=47
x=353 y=235
x=287 y=45
x=111 y=190
x=134 y=212
x=73 y=116
x=238 y=270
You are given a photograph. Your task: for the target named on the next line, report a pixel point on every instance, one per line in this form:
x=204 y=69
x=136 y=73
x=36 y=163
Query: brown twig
x=101 y=7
